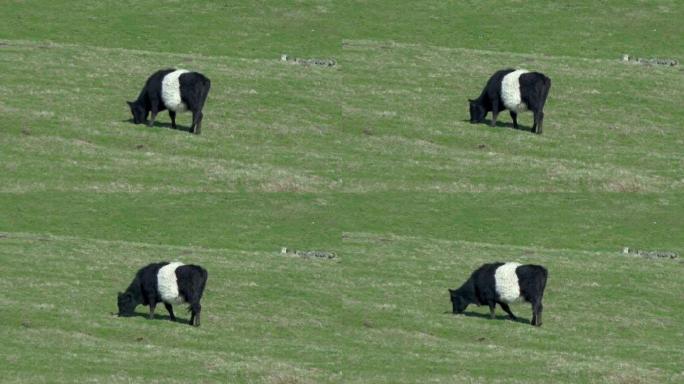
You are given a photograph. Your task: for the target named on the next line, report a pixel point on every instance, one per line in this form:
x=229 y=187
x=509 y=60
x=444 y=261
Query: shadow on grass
x=496 y=317
x=500 y=124
x=157 y=124
x=159 y=317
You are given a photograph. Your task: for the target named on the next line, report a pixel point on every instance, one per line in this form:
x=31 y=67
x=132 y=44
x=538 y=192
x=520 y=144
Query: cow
x=503 y=284
x=517 y=90
x=177 y=90
x=171 y=283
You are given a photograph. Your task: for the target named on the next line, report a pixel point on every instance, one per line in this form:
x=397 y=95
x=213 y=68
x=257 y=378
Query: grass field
x=373 y=159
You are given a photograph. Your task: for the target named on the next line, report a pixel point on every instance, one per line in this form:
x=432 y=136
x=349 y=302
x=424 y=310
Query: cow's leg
x=154 y=109
x=534 y=124
x=495 y=113
x=196 y=122
x=514 y=116
x=198 y=128
x=508 y=310
x=494 y=116
x=195 y=309
x=172 y=115
x=152 y=306
x=540 y=124
x=492 y=309
x=152 y=119
x=169 y=308
x=193 y=295
x=538 y=120
x=537 y=308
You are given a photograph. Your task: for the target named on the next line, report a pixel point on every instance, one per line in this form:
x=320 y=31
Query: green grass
x=373 y=159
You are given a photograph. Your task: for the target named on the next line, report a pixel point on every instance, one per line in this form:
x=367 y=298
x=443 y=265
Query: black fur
x=194 y=88
x=534 y=89
x=480 y=289
x=143 y=290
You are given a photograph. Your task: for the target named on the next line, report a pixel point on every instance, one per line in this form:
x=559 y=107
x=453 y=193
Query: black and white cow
x=503 y=284
x=170 y=283
x=517 y=90
x=177 y=90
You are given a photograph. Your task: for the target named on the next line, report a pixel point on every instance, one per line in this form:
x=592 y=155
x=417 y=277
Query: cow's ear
x=130 y=103
x=471 y=100
x=451 y=291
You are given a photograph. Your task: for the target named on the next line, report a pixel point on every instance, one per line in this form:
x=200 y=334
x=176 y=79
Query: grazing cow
x=516 y=90
x=503 y=283
x=170 y=283
x=176 y=90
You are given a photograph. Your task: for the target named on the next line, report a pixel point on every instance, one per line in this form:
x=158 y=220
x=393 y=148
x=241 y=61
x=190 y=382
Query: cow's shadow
x=158 y=124
x=496 y=317
x=159 y=317
x=500 y=124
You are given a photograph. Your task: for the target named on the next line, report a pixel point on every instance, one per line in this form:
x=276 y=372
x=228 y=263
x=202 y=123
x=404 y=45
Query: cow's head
x=458 y=302
x=126 y=303
x=138 y=111
x=477 y=111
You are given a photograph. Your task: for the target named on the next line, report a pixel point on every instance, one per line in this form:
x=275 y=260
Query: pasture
x=373 y=159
